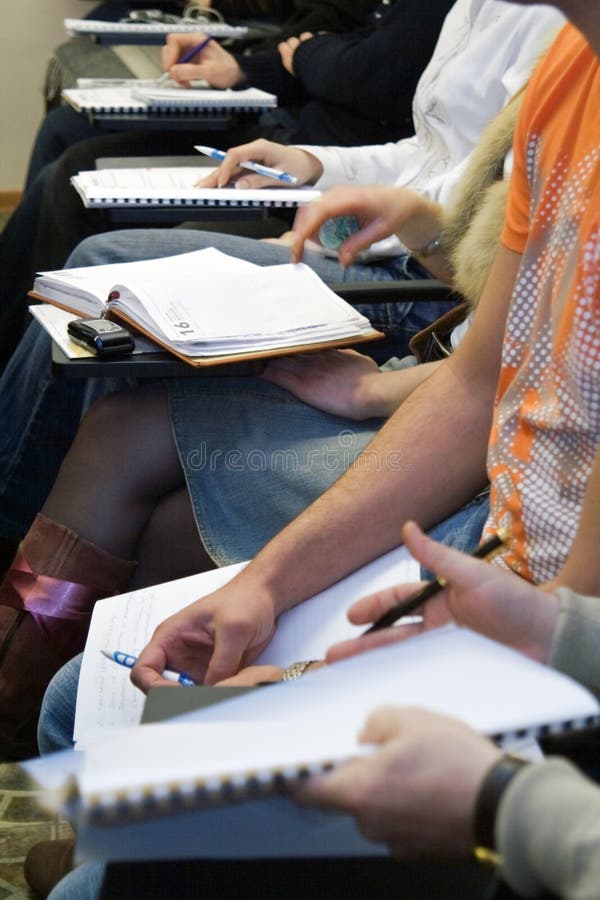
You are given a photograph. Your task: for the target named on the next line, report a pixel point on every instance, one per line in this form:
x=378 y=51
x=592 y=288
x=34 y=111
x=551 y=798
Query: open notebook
x=176 y=186
x=208 y=308
x=130 y=793
x=170 y=99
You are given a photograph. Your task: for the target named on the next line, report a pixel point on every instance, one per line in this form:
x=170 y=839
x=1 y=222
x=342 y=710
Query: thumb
x=251 y=181
x=225 y=660
x=183 y=73
x=383 y=724
x=457 y=568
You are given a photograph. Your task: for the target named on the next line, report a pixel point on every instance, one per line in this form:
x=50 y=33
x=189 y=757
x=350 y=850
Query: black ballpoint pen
x=483 y=551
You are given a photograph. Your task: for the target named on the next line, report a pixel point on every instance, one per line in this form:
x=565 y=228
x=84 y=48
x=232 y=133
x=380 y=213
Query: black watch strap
x=494 y=784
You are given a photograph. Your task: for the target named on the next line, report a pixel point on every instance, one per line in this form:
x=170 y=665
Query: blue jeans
x=402 y=320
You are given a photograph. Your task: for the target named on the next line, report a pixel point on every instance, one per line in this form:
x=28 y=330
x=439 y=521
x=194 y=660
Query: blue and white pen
x=129 y=661
x=267 y=171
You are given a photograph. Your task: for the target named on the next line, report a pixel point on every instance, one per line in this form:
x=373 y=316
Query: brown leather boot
x=47 y=863
x=46 y=602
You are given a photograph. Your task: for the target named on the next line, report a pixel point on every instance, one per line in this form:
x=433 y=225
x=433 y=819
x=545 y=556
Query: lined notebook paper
x=167 y=187
x=96 y=26
x=124 y=99
x=106 y=697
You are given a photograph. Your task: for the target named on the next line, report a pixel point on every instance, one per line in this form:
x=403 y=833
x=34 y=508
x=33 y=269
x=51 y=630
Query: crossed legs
x=121 y=487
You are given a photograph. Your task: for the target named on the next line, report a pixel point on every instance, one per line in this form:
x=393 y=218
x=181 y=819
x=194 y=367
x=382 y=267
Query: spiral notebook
x=170 y=187
x=132 y=99
x=104 y=29
x=141 y=781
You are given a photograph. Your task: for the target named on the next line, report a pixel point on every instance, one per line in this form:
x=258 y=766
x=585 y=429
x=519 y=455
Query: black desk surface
x=141 y=365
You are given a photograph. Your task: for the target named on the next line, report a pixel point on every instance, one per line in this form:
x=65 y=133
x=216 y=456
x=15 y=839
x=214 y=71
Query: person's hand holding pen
x=485 y=598
x=212 y=639
x=212 y=62
x=305 y=167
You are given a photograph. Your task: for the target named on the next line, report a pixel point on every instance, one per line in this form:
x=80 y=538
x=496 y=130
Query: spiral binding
x=153 y=801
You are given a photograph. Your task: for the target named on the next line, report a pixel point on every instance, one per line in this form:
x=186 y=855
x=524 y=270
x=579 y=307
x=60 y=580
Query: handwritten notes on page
x=107 y=699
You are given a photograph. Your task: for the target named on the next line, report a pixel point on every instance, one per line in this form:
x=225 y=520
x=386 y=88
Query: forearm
x=264 y=70
x=582 y=569
x=385 y=392
x=425 y=463
x=423 y=227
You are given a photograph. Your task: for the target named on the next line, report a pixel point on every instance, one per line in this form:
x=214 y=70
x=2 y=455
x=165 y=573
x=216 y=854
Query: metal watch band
x=297 y=669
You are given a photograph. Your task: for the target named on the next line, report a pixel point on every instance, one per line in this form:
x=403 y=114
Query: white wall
x=29 y=31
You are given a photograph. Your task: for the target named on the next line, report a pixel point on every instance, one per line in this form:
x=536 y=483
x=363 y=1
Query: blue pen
x=126 y=659
x=220 y=155
x=187 y=57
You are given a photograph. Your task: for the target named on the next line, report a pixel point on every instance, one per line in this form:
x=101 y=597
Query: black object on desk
x=140 y=365
x=164 y=365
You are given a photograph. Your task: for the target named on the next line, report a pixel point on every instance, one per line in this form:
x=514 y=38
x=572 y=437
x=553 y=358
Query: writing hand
x=210 y=639
x=478 y=595
x=300 y=163
x=213 y=63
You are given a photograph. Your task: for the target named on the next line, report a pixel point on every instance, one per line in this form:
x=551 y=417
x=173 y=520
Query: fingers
x=364 y=643
x=369 y=609
x=362 y=239
x=256 y=151
x=253 y=675
x=178 y=44
x=281 y=377
x=226 y=658
x=336 y=202
x=148 y=670
x=385 y=724
x=286 y=52
x=457 y=568
x=184 y=73
x=338 y=790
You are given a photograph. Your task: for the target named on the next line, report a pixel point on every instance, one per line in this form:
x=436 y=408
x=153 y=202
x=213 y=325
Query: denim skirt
x=254 y=457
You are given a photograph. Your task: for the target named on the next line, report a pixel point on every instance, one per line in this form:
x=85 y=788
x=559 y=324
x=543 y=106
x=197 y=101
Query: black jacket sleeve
x=265 y=70
x=373 y=74
x=327 y=15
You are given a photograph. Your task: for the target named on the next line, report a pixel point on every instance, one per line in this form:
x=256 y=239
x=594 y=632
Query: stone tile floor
x=22 y=824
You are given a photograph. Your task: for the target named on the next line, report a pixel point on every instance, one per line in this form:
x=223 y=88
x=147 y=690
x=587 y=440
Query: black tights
x=122 y=487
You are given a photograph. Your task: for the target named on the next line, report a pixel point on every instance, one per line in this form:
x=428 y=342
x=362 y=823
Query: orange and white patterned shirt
x=546 y=426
